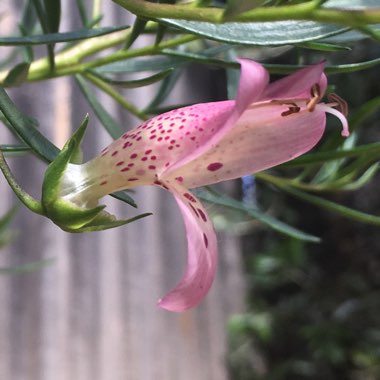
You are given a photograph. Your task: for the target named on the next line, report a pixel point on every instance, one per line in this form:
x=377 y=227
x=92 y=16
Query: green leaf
x=334 y=207
x=134 y=83
x=109 y=123
x=351 y=36
x=14 y=149
x=22 y=126
x=27 y=49
x=365 y=178
x=26 y=268
x=164 y=90
x=352 y=67
x=29 y=17
x=221 y=199
x=137 y=28
x=82 y=12
x=124 y=197
x=17 y=76
x=101 y=224
x=233 y=76
x=31 y=203
x=176 y=59
x=321 y=157
x=53 y=14
x=42 y=18
x=53 y=38
x=259 y=33
x=323 y=46
x=160 y=34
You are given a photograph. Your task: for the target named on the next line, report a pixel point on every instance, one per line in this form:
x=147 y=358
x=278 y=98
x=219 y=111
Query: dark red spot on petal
x=153 y=158
x=144 y=158
x=148 y=151
x=132 y=179
x=124 y=169
x=132 y=156
x=190 y=197
x=151 y=167
x=205 y=240
x=114 y=153
x=202 y=214
x=179 y=179
x=214 y=166
x=120 y=163
x=103 y=183
x=194 y=210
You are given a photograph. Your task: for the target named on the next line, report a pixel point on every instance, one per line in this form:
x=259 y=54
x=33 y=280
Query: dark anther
x=292 y=109
x=341 y=104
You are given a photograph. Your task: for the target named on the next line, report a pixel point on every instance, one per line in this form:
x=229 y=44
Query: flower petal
x=262 y=138
x=253 y=81
x=298 y=84
x=170 y=140
x=202 y=253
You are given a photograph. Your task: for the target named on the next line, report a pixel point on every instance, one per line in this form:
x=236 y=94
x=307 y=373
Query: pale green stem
x=69 y=62
x=281 y=182
x=304 y=11
x=96 y=9
x=105 y=87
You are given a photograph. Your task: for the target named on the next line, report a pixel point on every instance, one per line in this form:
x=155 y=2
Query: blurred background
x=84 y=306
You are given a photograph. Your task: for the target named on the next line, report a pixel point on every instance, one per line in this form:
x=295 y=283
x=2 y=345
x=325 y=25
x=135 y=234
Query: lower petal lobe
x=202 y=253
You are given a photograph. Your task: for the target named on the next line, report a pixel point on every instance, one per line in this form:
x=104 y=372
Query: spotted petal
x=172 y=139
x=262 y=138
x=202 y=253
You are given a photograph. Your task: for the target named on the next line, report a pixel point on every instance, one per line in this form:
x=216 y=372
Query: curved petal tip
x=202 y=254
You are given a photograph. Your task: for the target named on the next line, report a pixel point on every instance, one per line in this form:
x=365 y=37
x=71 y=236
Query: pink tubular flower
x=203 y=144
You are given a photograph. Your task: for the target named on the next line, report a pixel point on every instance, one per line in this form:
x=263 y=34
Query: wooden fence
x=91 y=314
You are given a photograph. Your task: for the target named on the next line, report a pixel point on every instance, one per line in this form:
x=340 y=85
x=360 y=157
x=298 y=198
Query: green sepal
x=53 y=176
x=105 y=221
x=66 y=214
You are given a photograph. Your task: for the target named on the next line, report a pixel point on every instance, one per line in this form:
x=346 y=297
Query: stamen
x=292 y=109
x=315 y=93
x=340 y=104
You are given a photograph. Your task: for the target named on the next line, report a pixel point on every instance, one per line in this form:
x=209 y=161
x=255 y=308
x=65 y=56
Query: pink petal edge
x=297 y=84
x=202 y=254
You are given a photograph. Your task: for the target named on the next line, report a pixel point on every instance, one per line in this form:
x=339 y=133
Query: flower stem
x=310 y=10
x=69 y=62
